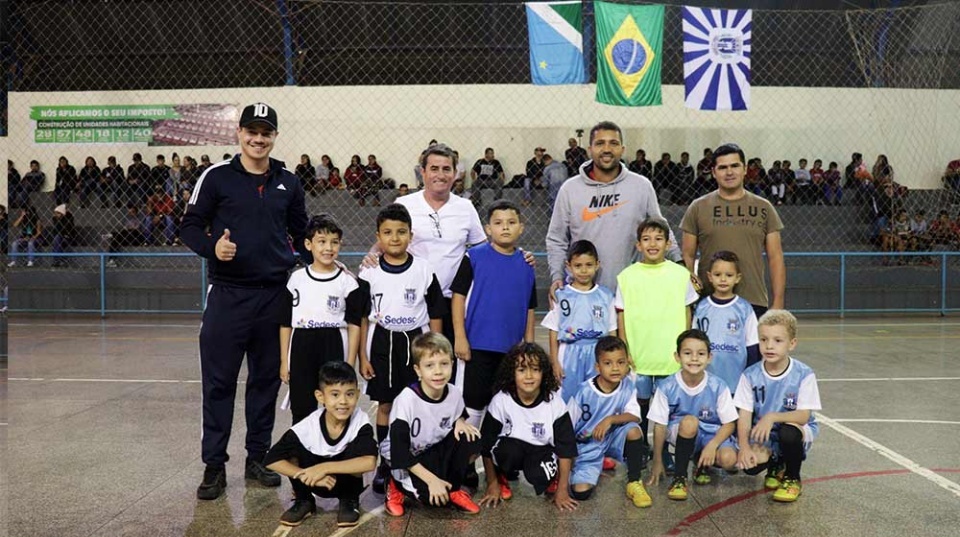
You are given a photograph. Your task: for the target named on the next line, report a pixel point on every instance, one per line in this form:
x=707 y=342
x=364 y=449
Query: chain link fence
x=353 y=80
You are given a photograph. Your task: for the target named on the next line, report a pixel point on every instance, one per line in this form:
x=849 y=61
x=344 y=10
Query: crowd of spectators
x=156 y=197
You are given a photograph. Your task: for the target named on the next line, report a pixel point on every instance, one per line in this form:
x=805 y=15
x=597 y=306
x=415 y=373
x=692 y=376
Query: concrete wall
x=916 y=129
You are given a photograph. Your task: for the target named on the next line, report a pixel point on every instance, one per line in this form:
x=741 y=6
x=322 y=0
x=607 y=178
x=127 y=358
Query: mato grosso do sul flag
x=629 y=52
x=556 y=42
x=716 y=58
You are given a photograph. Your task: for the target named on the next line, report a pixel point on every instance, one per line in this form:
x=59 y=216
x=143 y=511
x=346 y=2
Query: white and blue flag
x=716 y=58
x=556 y=42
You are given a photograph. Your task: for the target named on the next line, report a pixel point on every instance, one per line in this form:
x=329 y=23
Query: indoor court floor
x=103 y=439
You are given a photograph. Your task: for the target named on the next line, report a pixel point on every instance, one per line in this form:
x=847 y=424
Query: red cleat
x=463 y=502
x=505 y=492
x=609 y=464
x=394 y=502
x=553 y=486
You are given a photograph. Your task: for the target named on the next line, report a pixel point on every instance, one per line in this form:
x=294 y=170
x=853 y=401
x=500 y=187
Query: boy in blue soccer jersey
x=582 y=313
x=693 y=411
x=494 y=296
x=606 y=418
x=728 y=320
x=777 y=399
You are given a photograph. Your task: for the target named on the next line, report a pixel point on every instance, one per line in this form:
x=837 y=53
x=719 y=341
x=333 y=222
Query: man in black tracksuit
x=243 y=216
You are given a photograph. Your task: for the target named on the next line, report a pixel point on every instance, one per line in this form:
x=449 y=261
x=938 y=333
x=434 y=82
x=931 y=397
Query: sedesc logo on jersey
x=334 y=304
x=409 y=296
x=538 y=430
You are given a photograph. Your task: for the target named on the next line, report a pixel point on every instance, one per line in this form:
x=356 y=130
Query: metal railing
x=843 y=288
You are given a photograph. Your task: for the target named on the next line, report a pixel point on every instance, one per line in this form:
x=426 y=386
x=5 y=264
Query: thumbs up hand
x=225 y=249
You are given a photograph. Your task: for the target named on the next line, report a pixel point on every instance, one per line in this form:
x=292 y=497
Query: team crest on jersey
x=445 y=422
x=705 y=413
x=598 y=313
x=507 y=426
x=790 y=401
x=333 y=304
x=538 y=430
x=733 y=325
x=409 y=296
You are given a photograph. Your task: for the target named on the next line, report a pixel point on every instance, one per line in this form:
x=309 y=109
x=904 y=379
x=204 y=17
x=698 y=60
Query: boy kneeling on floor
x=326 y=453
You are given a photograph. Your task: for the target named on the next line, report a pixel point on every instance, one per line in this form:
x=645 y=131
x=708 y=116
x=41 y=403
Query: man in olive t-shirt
x=733 y=219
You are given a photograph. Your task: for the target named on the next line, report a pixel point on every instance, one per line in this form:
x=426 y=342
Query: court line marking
x=925 y=422
x=880 y=449
x=107 y=323
x=690 y=520
x=131 y=381
x=886 y=379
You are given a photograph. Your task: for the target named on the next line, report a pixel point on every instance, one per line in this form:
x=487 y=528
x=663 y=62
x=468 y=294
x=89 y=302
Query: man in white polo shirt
x=444 y=225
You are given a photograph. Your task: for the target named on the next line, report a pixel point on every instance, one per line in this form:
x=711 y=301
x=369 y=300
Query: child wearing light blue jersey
x=728 y=320
x=606 y=418
x=582 y=313
x=777 y=399
x=693 y=411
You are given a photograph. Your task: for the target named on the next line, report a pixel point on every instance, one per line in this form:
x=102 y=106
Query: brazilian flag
x=629 y=50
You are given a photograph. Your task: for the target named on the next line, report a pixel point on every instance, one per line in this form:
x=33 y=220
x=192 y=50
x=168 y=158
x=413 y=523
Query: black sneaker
x=349 y=514
x=379 y=480
x=471 y=479
x=298 y=512
x=256 y=470
x=214 y=483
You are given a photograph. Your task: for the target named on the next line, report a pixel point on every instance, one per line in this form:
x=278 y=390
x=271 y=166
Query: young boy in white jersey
x=652 y=304
x=582 y=313
x=327 y=452
x=527 y=428
x=605 y=417
x=777 y=399
x=430 y=441
x=325 y=309
x=728 y=320
x=405 y=300
x=693 y=411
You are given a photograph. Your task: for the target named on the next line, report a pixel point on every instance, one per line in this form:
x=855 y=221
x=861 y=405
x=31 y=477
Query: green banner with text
x=158 y=125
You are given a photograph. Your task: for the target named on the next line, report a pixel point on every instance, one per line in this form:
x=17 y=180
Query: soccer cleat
x=298 y=512
x=505 y=492
x=394 y=502
x=462 y=501
x=701 y=476
x=678 y=489
x=349 y=513
x=609 y=464
x=553 y=486
x=774 y=476
x=638 y=494
x=789 y=491
x=214 y=482
x=256 y=470
x=471 y=479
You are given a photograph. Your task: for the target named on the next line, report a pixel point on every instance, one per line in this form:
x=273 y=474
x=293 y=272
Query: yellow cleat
x=774 y=477
x=789 y=491
x=701 y=476
x=678 y=489
x=638 y=494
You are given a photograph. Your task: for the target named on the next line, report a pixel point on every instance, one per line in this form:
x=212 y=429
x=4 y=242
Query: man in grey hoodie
x=604 y=204
x=554 y=175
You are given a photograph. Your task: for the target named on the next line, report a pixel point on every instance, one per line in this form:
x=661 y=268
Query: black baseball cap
x=259 y=113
